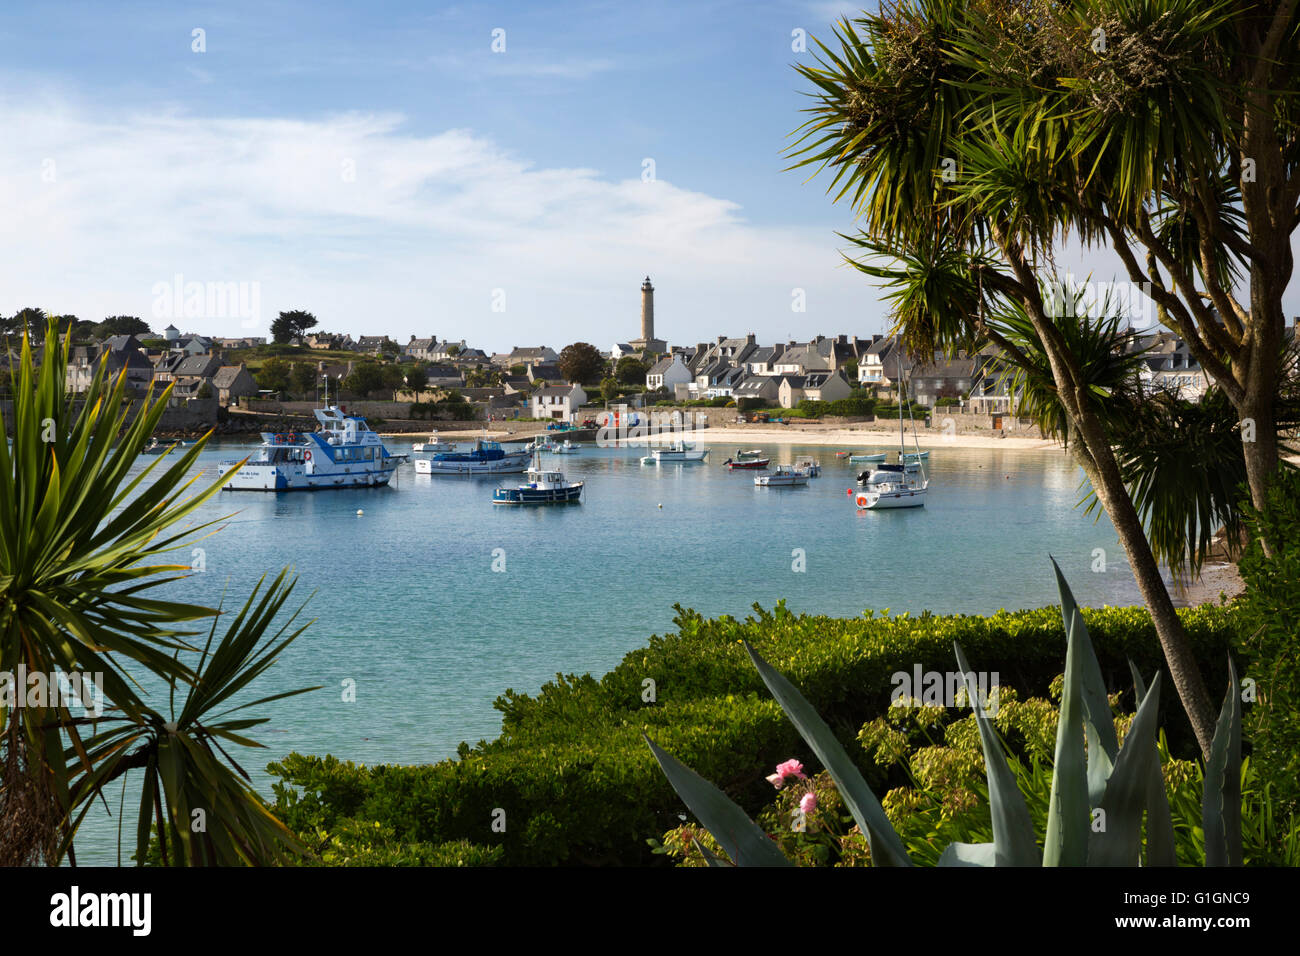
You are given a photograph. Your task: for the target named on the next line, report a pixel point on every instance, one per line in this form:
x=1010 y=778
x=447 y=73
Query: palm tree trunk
x=1103 y=471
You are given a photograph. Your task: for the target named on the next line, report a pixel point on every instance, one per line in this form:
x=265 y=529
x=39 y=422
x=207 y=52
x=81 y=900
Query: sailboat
x=895 y=486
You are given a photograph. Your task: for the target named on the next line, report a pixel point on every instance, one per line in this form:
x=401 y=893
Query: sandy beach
x=850 y=437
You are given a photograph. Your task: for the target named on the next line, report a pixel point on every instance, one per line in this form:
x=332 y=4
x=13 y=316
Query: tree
x=417 y=380
x=274 y=375
x=609 y=389
x=289 y=324
x=205 y=391
x=366 y=377
x=630 y=371
x=90 y=613
x=302 y=378
x=29 y=321
x=453 y=350
x=972 y=137
x=122 y=325
x=581 y=362
x=391 y=377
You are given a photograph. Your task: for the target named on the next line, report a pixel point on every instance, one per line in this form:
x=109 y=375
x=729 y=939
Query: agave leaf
x=741 y=837
x=1160 y=824
x=886 y=846
x=969 y=854
x=1013 y=830
x=1066 y=843
x=1221 y=803
x=1103 y=745
x=1118 y=843
x=711 y=858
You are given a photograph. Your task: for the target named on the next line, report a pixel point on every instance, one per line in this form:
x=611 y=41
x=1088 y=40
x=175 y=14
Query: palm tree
x=82 y=546
x=965 y=176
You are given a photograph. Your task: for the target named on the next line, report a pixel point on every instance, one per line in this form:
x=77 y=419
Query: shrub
x=578 y=785
x=1270 y=620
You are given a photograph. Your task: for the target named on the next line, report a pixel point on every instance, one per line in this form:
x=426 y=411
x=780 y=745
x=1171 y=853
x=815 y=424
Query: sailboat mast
x=898 y=349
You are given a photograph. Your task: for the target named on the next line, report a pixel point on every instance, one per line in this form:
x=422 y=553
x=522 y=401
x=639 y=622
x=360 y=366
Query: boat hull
x=510 y=465
x=880 y=457
x=750 y=465
x=878 y=501
x=537 y=496
x=253 y=477
x=675 y=458
x=780 y=481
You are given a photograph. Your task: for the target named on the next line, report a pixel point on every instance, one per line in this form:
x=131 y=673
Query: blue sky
x=380 y=165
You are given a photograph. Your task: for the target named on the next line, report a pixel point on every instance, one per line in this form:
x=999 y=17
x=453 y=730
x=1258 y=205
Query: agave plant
x=82 y=543
x=1100 y=790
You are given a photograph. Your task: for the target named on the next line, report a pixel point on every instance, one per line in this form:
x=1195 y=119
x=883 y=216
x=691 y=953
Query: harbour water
x=434 y=601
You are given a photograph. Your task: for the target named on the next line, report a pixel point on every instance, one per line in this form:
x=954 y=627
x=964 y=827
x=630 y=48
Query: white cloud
x=379 y=230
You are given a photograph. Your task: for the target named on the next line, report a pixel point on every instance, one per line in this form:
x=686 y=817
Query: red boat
x=748 y=459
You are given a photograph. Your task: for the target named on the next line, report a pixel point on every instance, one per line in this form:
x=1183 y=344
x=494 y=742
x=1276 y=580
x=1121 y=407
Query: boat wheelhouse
x=342 y=453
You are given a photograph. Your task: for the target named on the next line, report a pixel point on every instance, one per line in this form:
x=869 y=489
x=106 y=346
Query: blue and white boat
x=342 y=453
x=545 y=486
x=485 y=458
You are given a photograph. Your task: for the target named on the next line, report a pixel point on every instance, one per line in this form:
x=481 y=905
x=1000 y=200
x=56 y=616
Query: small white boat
x=566 y=448
x=782 y=476
x=892 y=486
x=485 y=458
x=914 y=456
x=677 y=452
x=434 y=446
x=880 y=457
x=811 y=465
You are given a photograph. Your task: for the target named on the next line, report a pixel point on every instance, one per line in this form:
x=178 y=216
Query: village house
x=558 y=402
x=233 y=382
x=421 y=349
x=820 y=386
x=940 y=378
x=123 y=352
x=667 y=373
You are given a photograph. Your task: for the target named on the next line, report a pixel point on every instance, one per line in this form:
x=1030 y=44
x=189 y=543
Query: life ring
x=306 y=455
x=861 y=500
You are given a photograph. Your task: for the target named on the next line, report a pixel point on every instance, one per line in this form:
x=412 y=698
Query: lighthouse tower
x=647 y=310
x=647 y=342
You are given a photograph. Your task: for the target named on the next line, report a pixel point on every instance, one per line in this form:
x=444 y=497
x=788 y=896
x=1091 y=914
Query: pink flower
x=809 y=803
x=791 y=768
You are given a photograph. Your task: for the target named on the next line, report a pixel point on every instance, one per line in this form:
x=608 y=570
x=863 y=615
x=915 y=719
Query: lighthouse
x=647 y=310
x=647 y=342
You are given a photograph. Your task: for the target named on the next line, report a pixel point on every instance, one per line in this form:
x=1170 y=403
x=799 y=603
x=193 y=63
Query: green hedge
x=579 y=786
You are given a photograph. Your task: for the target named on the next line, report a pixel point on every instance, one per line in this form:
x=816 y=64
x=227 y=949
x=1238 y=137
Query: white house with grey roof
x=557 y=402
x=667 y=373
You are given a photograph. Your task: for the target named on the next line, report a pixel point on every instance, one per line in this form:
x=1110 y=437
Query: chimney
x=721 y=339
x=750 y=339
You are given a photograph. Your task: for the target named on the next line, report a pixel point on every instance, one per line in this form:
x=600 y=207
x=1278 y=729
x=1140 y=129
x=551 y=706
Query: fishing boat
x=545 y=486
x=566 y=447
x=676 y=453
x=753 y=458
x=485 y=458
x=808 y=464
x=903 y=485
x=782 y=476
x=880 y=457
x=342 y=453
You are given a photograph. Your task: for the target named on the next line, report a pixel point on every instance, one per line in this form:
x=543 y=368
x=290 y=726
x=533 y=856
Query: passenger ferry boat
x=342 y=453
x=485 y=458
x=546 y=486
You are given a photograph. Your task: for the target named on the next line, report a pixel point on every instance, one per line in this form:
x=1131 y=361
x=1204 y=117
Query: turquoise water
x=408 y=606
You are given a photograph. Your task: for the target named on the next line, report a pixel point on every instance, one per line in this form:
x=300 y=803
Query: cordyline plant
x=973 y=138
x=82 y=545
x=1094 y=779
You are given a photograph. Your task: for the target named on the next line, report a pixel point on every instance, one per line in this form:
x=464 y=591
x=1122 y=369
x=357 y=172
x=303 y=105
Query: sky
x=502 y=173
